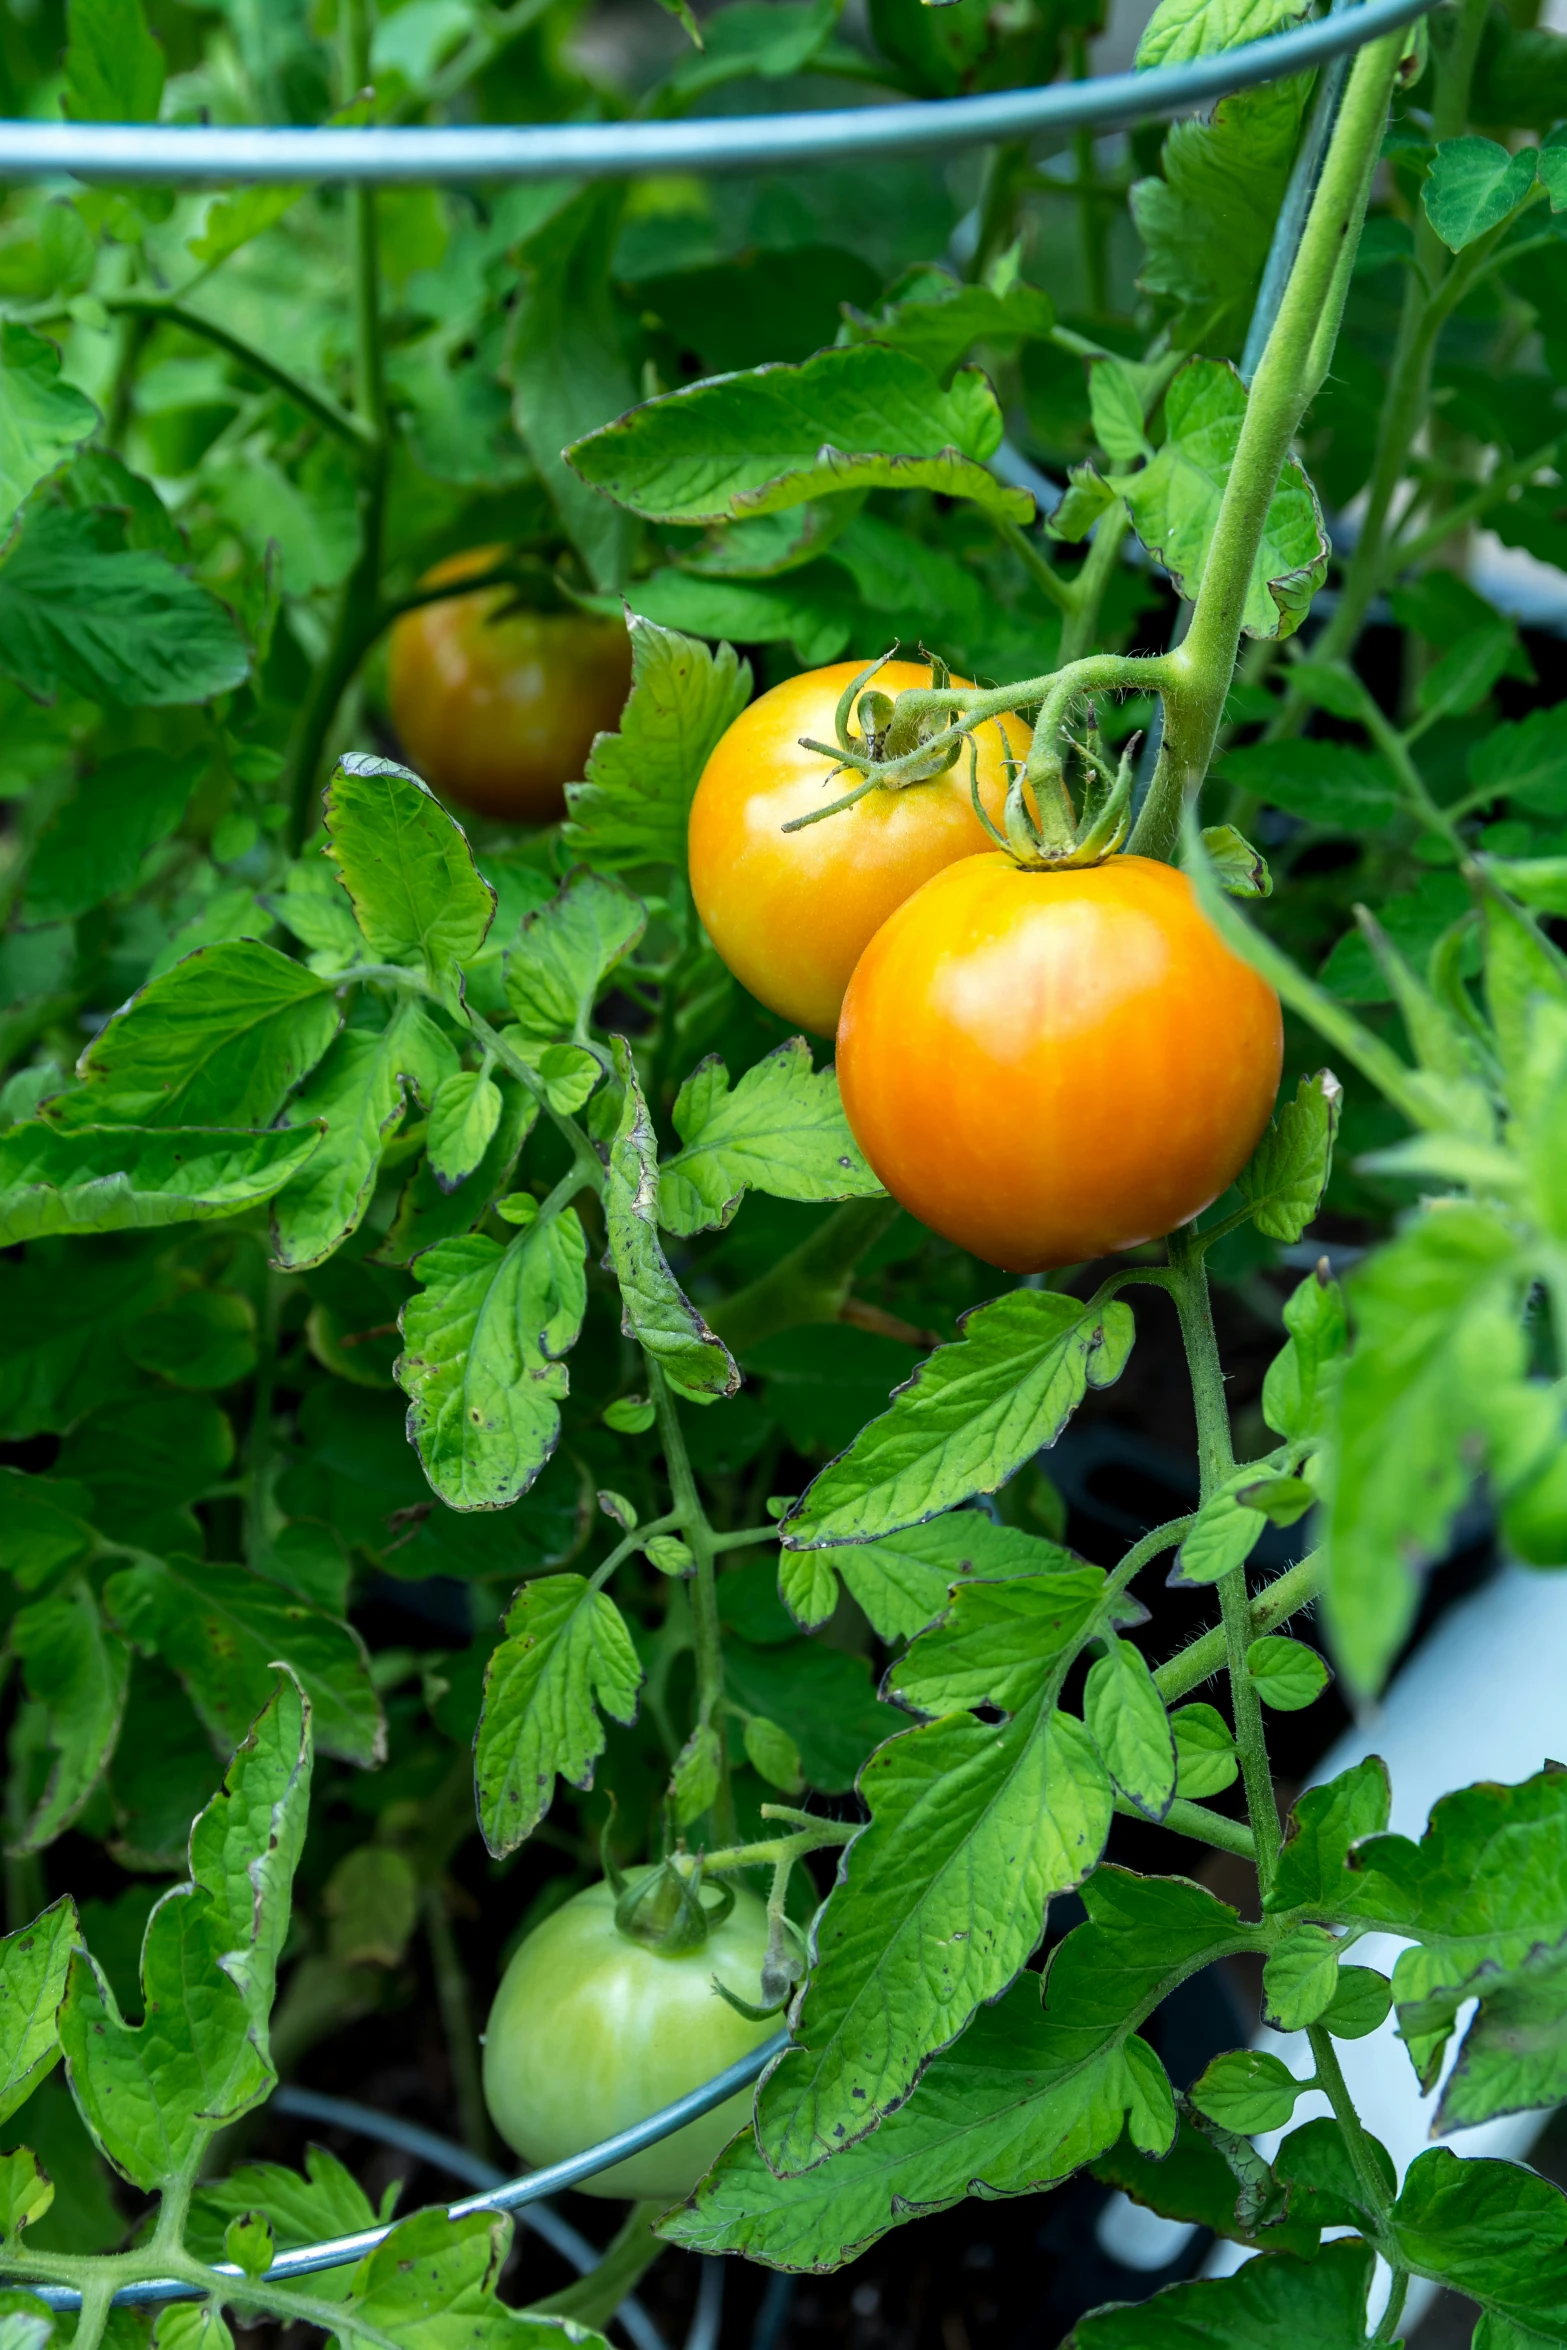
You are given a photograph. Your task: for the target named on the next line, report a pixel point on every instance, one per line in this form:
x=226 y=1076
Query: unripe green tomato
x=1534 y=1521
x=591 y=2031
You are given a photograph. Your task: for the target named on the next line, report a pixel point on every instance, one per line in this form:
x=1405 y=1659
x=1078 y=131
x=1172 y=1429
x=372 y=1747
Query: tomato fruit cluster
x=1043 y=1064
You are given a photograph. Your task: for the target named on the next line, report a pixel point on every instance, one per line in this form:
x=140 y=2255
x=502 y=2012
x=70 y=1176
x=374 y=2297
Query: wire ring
x=338 y=2251
x=197 y=153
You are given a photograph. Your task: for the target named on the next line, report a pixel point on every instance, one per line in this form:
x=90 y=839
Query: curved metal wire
x=388 y=2129
x=176 y=153
x=338 y=2251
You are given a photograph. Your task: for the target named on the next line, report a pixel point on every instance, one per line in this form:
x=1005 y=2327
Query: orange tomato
x=499 y=715
x=1047 y=1067
x=792 y=912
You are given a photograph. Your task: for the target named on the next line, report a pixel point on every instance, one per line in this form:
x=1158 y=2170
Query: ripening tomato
x=792 y=912
x=499 y=714
x=1049 y=1066
x=592 y=2030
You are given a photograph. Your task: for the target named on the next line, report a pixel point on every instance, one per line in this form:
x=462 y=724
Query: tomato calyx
x=1044 y=828
x=663 y=1909
x=881 y=741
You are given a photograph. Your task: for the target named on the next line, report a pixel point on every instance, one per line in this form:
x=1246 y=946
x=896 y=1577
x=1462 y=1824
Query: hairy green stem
x=770 y=1850
x=457 y=2025
x=1291 y=369
x=162 y=310
x=97 y=2293
x=1062 y=592
x=258 y=1444
x=706 y=1632
x=1330 y=2079
x=1284 y=1597
x=1088 y=589
x=1216 y=1459
x=1201 y=1825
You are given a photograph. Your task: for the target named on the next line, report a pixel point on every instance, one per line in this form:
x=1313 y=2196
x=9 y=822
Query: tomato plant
x=499 y=1451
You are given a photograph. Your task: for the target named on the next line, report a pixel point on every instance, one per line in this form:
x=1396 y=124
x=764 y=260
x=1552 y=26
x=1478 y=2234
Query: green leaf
x=1300 y=1979
x=566 y=1654
x=1302 y=1377
x=1180 y=30
x=408 y=870
x=970 y=1416
x=34 y=1962
x=1525 y=760
x=81 y=609
x=1323 y=1829
x=633 y=807
x=482 y=1361
x=1247 y=2090
x=152 y=2094
x=941 y=1898
x=1205 y=1759
x=698 y=1773
x=93 y=846
x=426 y=1214
x=432 y=2284
x=569 y=369
x=1196 y=2182
x=118 y=1178
x=372 y=1899
x=41 y=419
x=1483 y=1898
x=246 y=1844
x=357 y=1093
x=1438 y=1360
x=25 y=2195
x=1174 y=502
x=565 y=951
x=937 y=319
x=1473 y=185
x=465 y=1110
x=1115 y=404
x=1287 y=1174
x=1227 y=1530
x=233 y=221
x=781 y=1130
x=1286 y=1673
x=1272 y=2299
x=42 y=1527
x=1327 y=783
x=221 y=1040
x=181 y=2327
x=224 y=1630
x=78 y=1672
x=1205 y=223
x=1087 y=497
x=902 y=1582
x=849 y=419
x=1360 y=2003
x=771 y=1751
x=1025 y=2096
x=1492 y=2231
x=824 y=1699
x=1130 y=1727
x=113 y=66
x=654 y=1308
x=1239 y=869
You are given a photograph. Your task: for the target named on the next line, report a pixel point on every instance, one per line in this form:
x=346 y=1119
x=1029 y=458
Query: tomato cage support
x=196 y=154
x=200 y=155
x=514 y=2195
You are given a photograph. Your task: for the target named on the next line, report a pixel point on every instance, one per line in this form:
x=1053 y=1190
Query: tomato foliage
x=452 y=1342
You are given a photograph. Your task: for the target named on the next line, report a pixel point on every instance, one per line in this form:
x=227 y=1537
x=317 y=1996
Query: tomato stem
x=1188 y=1285
x=1293 y=365
x=707 y=1636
